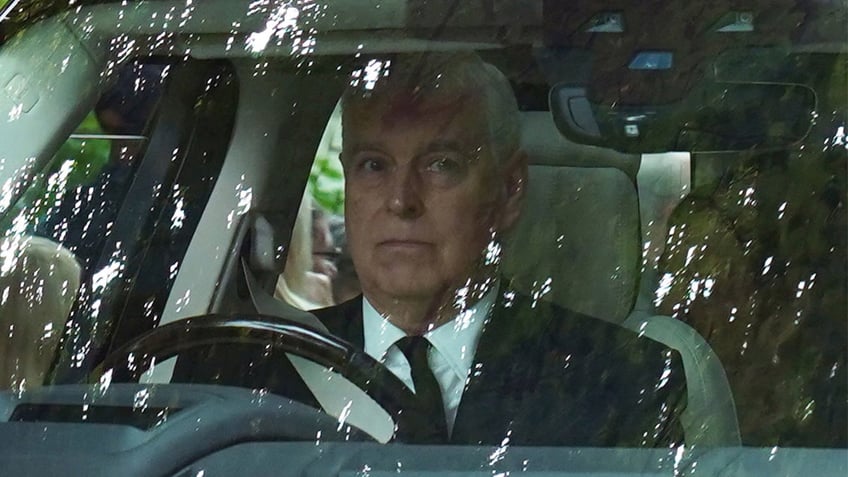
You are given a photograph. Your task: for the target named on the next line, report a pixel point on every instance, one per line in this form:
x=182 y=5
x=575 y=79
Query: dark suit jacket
x=544 y=375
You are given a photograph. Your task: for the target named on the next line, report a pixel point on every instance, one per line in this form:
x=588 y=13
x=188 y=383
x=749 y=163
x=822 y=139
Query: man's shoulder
x=602 y=375
x=591 y=347
x=562 y=327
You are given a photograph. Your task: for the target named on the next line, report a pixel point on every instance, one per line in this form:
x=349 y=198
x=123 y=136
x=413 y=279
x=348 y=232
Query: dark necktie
x=426 y=424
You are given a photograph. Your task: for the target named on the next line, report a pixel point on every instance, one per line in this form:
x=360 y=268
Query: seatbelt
x=265 y=304
x=337 y=396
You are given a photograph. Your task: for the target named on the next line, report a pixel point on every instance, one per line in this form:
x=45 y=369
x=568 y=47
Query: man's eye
x=444 y=163
x=371 y=164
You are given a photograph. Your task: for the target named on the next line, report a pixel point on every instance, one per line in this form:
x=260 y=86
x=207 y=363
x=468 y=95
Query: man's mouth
x=401 y=244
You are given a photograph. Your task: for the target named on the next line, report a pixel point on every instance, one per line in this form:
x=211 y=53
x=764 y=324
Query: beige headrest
x=39 y=280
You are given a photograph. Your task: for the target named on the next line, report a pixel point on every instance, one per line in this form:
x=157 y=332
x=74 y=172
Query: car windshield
x=434 y=237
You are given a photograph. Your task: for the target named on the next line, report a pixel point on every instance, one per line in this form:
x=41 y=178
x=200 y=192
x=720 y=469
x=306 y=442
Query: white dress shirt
x=451 y=353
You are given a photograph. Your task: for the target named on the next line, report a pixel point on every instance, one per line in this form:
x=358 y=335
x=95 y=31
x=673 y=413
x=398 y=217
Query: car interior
x=196 y=218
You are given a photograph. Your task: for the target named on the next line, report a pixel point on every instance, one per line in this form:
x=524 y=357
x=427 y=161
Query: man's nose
x=405 y=195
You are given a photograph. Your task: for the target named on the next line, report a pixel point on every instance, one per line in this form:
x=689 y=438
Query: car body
x=687 y=177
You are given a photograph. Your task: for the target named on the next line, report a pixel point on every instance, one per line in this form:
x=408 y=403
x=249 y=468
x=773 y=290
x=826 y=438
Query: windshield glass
x=484 y=224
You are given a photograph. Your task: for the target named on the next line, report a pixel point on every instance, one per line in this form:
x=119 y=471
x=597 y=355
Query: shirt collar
x=456 y=340
x=380 y=334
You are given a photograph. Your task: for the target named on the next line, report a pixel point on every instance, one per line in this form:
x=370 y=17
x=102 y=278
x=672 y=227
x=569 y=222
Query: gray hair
x=446 y=75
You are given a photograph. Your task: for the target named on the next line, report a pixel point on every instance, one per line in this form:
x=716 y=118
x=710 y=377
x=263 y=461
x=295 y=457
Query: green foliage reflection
x=77 y=162
x=756 y=263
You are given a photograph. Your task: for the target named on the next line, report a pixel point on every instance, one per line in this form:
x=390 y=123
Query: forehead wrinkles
x=461 y=111
x=412 y=106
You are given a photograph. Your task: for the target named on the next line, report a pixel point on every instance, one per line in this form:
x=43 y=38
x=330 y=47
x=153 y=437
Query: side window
x=319 y=271
x=54 y=234
x=754 y=260
x=77 y=198
x=104 y=227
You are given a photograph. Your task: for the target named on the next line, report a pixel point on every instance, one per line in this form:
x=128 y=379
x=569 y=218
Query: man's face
x=423 y=195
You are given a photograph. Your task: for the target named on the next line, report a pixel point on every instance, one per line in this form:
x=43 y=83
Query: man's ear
x=514 y=177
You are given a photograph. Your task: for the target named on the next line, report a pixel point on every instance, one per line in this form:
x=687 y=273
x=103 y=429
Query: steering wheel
x=164 y=342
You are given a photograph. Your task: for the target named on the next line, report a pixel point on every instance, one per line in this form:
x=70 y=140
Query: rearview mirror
x=719 y=116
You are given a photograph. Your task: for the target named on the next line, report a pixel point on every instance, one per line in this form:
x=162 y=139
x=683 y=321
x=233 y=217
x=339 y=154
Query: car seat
x=578 y=244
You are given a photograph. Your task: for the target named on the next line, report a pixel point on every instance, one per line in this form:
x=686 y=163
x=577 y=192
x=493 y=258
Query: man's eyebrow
x=436 y=145
x=361 y=146
x=469 y=151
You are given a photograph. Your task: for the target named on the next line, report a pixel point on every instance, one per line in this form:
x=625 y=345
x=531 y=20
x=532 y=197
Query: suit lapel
x=500 y=383
x=505 y=374
x=345 y=321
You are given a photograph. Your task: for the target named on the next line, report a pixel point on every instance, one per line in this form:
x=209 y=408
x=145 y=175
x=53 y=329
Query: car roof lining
x=215 y=46
x=223 y=28
x=216 y=16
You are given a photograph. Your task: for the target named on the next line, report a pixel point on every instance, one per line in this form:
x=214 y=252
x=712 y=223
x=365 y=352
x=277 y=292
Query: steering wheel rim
x=169 y=340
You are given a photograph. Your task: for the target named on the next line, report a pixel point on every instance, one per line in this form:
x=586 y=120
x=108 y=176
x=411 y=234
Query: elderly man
x=434 y=178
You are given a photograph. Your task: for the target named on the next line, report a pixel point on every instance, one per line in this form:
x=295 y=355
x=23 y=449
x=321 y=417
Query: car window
x=535 y=237
x=76 y=199
x=686 y=263
x=115 y=210
x=750 y=265
x=328 y=277
x=68 y=213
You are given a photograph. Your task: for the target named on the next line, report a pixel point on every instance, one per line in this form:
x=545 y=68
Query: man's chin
x=404 y=288
x=408 y=293
x=412 y=282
